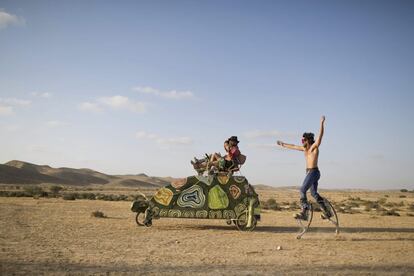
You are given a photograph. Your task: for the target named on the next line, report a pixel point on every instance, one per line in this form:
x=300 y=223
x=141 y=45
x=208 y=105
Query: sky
x=128 y=87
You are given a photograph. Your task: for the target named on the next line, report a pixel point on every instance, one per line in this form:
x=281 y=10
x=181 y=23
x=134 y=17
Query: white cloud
x=7 y=19
x=115 y=102
x=90 y=107
x=164 y=140
x=121 y=102
x=54 y=124
x=6 y=110
x=171 y=94
x=7 y=105
x=268 y=134
x=45 y=95
x=14 y=101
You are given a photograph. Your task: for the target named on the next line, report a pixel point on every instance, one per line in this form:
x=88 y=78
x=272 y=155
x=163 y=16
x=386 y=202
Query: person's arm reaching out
x=290 y=146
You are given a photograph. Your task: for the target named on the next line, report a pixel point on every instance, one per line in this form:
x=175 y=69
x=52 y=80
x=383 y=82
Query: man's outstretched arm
x=318 y=140
x=290 y=146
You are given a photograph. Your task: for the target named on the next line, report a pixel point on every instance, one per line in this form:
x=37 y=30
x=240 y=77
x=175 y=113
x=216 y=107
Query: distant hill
x=20 y=172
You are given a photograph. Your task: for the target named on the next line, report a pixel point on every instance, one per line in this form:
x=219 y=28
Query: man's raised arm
x=320 y=135
x=290 y=146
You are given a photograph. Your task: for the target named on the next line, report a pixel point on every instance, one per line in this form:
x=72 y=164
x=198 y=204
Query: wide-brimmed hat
x=234 y=139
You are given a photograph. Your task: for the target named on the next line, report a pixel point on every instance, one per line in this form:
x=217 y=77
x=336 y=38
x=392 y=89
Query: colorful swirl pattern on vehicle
x=163 y=196
x=192 y=197
x=235 y=191
x=217 y=198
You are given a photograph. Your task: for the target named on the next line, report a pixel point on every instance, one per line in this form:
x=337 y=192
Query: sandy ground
x=54 y=236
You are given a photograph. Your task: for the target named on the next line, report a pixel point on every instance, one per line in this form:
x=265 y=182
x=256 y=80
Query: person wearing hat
x=231 y=159
x=208 y=162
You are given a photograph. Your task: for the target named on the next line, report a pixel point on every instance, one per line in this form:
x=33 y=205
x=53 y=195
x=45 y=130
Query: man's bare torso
x=311 y=156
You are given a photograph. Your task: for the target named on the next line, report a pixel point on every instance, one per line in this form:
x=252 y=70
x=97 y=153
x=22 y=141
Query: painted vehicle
x=218 y=196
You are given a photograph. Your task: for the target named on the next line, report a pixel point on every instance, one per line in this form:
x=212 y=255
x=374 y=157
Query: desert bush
x=90 y=196
x=371 y=204
x=354 y=198
x=294 y=206
x=56 y=189
x=98 y=214
x=14 y=194
x=382 y=200
x=123 y=197
x=394 y=204
x=391 y=212
x=36 y=193
x=70 y=196
x=411 y=207
x=390 y=204
x=403 y=196
x=404 y=191
x=111 y=198
x=271 y=204
x=100 y=196
x=33 y=190
x=386 y=196
x=410 y=214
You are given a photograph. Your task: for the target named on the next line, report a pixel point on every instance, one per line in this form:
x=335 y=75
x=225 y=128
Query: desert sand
x=54 y=236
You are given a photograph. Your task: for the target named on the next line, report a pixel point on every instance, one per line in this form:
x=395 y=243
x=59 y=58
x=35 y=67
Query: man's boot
x=303 y=215
x=326 y=213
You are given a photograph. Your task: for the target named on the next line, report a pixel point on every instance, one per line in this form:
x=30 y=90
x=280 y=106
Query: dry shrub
x=391 y=212
x=382 y=200
x=70 y=196
x=294 y=206
x=271 y=204
x=35 y=191
x=98 y=214
x=55 y=189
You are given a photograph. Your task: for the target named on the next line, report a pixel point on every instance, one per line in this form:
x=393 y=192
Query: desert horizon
x=21 y=172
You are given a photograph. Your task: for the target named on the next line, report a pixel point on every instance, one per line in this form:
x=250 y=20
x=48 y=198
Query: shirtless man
x=311 y=149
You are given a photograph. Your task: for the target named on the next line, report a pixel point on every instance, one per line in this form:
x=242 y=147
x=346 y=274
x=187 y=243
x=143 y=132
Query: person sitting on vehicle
x=202 y=164
x=231 y=160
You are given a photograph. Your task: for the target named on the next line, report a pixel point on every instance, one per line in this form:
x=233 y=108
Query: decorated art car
x=230 y=198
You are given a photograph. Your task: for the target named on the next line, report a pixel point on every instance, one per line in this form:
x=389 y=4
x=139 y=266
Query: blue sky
x=143 y=86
